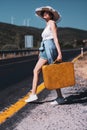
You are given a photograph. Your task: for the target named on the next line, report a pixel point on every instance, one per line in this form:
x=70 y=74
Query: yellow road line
x=76 y=58
x=79 y=56
x=17 y=106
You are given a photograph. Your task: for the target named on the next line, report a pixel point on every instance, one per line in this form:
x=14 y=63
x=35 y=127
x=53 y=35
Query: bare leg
x=59 y=93
x=60 y=99
x=36 y=72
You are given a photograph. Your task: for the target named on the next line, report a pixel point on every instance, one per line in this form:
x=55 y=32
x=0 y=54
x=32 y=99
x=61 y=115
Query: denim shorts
x=43 y=54
x=49 y=51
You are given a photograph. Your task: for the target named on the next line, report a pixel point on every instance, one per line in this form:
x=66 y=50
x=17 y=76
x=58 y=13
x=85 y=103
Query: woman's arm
x=54 y=30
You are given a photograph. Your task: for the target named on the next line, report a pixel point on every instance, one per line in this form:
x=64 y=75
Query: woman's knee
x=36 y=71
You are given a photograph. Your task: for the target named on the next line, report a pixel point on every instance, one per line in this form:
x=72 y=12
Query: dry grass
x=81 y=66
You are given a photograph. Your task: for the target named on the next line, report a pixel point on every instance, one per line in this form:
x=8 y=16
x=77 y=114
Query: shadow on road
x=77 y=98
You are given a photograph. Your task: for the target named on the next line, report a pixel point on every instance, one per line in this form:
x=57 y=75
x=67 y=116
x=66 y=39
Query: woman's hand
x=59 y=58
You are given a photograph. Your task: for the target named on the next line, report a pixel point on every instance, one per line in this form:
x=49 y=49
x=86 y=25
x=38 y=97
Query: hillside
x=12 y=36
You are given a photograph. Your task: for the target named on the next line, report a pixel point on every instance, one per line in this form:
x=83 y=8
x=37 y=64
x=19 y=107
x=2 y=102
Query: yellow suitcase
x=58 y=75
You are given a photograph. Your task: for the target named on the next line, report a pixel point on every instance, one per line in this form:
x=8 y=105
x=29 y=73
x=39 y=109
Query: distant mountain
x=12 y=36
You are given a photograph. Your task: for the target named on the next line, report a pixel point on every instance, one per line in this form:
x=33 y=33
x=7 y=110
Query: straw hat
x=56 y=14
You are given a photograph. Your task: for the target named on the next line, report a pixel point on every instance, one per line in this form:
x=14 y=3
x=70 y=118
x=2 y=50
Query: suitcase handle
x=56 y=61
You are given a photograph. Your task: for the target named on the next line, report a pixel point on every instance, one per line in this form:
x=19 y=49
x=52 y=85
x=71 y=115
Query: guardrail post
x=81 y=51
x=14 y=54
x=3 y=56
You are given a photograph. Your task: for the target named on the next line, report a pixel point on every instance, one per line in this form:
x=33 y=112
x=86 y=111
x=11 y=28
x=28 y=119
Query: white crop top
x=47 y=33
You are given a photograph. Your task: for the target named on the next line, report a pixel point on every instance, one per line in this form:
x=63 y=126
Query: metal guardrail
x=72 y=53
x=20 y=53
x=24 y=52
x=17 y=53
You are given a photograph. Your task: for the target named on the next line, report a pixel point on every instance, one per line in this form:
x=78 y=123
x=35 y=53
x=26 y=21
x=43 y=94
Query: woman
x=49 y=50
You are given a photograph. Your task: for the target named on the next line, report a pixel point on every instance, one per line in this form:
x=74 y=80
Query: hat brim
x=56 y=14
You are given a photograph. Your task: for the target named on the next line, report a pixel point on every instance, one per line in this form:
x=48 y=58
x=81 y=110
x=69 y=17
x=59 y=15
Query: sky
x=22 y=12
